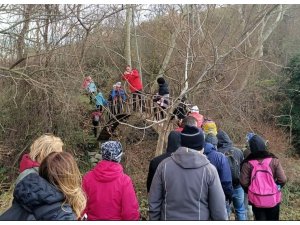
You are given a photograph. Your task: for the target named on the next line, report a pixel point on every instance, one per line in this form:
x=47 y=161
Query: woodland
x=240 y=64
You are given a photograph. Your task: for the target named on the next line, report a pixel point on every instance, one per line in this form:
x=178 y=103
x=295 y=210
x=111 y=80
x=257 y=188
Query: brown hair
x=61 y=170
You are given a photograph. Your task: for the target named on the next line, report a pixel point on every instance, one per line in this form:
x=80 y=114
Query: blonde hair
x=61 y=170
x=43 y=146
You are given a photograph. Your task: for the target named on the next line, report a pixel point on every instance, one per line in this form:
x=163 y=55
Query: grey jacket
x=186 y=186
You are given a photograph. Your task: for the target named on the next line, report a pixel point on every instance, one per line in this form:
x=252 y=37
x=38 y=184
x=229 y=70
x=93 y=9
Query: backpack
x=234 y=167
x=263 y=191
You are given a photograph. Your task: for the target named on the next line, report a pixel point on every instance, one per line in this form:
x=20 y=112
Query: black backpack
x=234 y=167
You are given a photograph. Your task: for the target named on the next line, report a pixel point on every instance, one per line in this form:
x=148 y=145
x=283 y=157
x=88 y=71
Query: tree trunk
x=128 y=37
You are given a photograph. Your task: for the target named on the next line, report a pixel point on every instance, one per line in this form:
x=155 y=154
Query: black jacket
x=163 y=89
x=173 y=144
x=36 y=199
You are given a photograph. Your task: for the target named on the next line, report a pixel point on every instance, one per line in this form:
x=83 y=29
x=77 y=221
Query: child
x=100 y=101
x=96 y=116
x=162 y=98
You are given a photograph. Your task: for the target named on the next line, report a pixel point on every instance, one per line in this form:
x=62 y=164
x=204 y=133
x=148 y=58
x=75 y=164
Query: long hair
x=61 y=170
x=43 y=146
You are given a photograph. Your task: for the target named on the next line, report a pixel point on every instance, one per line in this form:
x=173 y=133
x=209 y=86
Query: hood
x=208 y=148
x=163 y=89
x=189 y=158
x=27 y=163
x=257 y=143
x=212 y=139
x=174 y=141
x=224 y=142
x=107 y=171
x=34 y=191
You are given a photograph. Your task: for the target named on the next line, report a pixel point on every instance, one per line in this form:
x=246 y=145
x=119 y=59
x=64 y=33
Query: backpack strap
x=266 y=161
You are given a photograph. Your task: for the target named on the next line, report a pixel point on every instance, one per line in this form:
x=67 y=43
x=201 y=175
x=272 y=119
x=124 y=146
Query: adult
x=120 y=97
x=186 y=186
x=195 y=113
x=173 y=144
x=219 y=160
x=109 y=190
x=209 y=127
x=100 y=101
x=53 y=194
x=86 y=82
x=181 y=111
x=260 y=154
x=135 y=85
x=225 y=146
x=189 y=120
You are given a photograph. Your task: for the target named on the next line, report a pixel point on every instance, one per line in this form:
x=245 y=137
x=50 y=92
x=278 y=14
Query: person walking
x=135 y=85
x=235 y=157
x=262 y=177
x=109 y=190
x=186 y=186
x=173 y=144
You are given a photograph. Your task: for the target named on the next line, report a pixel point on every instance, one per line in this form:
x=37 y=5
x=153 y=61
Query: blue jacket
x=100 y=100
x=36 y=199
x=220 y=161
x=92 y=87
x=121 y=93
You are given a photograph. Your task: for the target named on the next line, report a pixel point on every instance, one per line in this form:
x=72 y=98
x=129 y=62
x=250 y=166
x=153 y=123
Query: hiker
x=181 y=111
x=161 y=98
x=109 y=190
x=120 y=96
x=262 y=177
x=100 y=101
x=96 y=117
x=209 y=127
x=189 y=120
x=135 y=85
x=53 y=194
x=86 y=82
x=235 y=158
x=112 y=100
x=92 y=90
x=195 y=113
x=173 y=145
x=219 y=160
x=186 y=186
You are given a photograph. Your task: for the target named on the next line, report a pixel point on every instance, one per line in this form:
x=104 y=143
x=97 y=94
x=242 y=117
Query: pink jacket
x=134 y=80
x=110 y=193
x=198 y=117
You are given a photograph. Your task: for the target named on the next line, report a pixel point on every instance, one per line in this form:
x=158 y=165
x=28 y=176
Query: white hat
x=195 y=109
x=118 y=84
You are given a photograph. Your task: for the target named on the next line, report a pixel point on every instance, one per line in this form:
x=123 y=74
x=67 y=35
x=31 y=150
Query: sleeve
x=135 y=73
x=150 y=176
x=245 y=176
x=85 y=189
x=279 y=175
x=216 y=197
x=226 y=178
x=155 y=197
x=130 y=205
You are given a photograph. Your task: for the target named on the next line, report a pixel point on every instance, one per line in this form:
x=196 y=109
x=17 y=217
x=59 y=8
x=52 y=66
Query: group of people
x=202 y=175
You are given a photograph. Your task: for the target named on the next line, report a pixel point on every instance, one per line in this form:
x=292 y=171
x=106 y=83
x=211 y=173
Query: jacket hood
x=224 y=142
x=174 y=141
x=212 y=139
x=189 y=158
x=163 y=89
x=257 y=143
x=107 y=171
x=208 y=148
x=27 y=163
x=33 y=191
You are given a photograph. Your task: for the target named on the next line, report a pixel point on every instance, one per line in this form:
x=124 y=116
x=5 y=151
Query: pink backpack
x=263 y=191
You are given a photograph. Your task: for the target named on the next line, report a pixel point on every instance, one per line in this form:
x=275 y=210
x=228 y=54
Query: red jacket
x=134 y=80
x=198 y=117
x=27 y=163
x=110 y=193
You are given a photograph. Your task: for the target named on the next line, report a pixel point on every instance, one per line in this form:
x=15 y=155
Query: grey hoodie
x=186 y=186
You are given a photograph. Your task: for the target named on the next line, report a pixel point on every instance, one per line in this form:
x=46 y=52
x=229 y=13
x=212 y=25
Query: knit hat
x=257 y=143
x=210 y=127
x=192 y=137
x=160 y=80
x=210 y=138
x=249 y=135
x=111 y=151
x=118 y=84
x=195 y=109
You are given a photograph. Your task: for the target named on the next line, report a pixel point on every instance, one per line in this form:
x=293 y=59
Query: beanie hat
x=111 y=151
x=160 y=80
x=210 y=127
x=192 y=137
x=195 y=109
x=212 y=139
x=257 y=143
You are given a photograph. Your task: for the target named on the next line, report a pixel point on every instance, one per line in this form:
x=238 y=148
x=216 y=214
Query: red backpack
x=263 y=191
